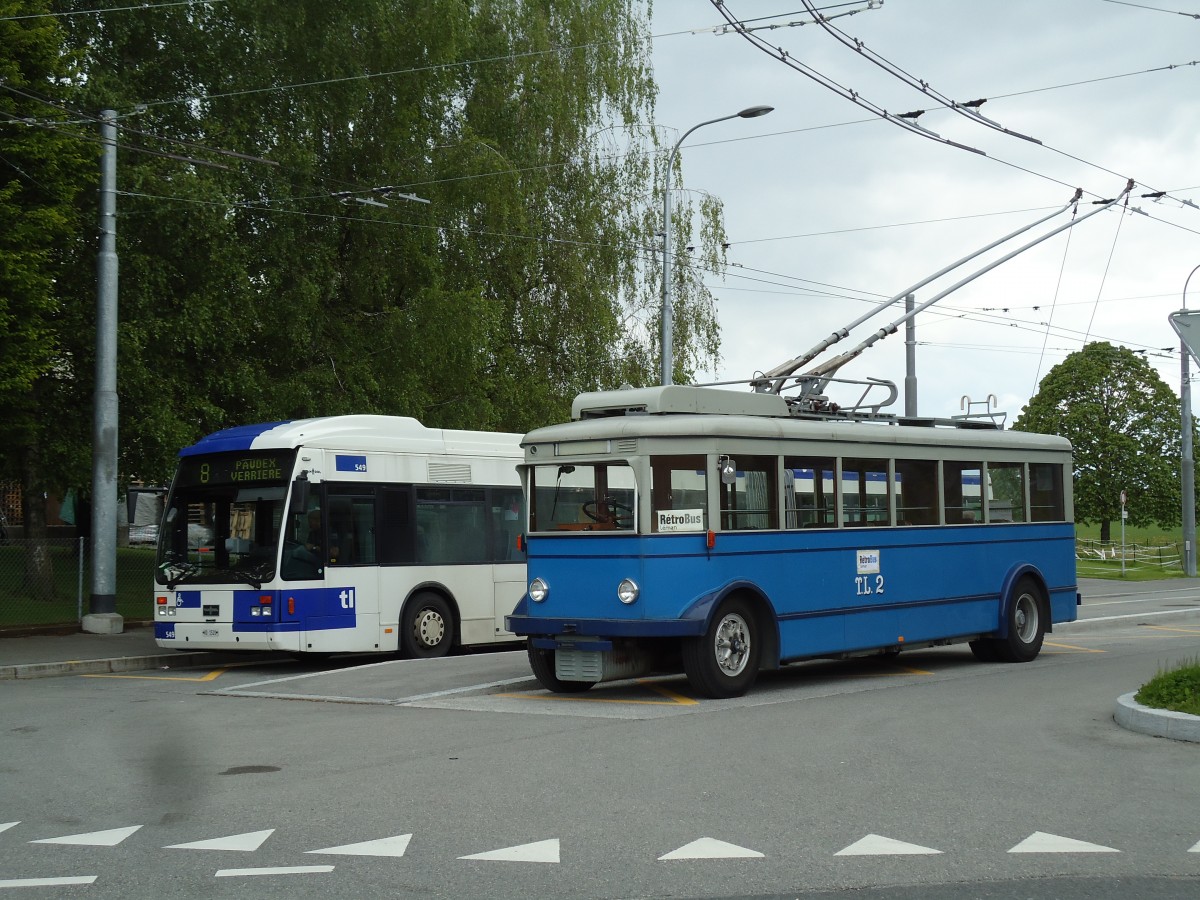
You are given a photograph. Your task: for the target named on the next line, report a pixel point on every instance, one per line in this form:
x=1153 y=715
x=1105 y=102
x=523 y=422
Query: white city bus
x=341 y=534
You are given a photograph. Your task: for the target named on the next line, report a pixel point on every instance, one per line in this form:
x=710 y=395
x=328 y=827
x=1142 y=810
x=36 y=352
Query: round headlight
x=627 y=591
x=538 y=590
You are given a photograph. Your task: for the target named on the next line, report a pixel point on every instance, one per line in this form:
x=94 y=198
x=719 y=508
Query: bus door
x=331 y=567
x=508 y=566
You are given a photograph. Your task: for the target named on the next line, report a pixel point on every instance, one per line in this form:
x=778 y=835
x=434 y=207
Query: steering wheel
x=607 y=510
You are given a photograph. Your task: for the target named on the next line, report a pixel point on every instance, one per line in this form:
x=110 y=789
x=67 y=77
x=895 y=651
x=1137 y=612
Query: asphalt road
x=930 y=775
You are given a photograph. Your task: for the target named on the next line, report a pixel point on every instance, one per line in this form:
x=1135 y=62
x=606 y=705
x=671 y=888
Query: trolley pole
x=102 y=615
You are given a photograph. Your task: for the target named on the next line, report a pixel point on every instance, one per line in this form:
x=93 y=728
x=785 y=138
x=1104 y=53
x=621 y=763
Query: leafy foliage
x=42 y=170
x=295 y=279
x=1123 y=423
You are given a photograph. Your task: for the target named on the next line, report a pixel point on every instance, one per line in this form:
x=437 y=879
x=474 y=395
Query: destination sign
x=261 y=467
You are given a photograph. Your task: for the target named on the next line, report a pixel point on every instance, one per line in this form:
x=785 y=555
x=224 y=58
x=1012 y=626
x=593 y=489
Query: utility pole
x=1182 y=322
x=910 y=358
x=102 y=617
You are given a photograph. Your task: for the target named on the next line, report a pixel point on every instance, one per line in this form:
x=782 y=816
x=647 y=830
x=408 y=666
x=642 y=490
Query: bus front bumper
x=547 y=630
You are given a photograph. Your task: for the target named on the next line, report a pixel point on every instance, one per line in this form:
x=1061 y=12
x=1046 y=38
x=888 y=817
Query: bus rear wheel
x=724 y=661
x=427 y=627
x=1026 y=614
x=542 y=663
x=1026 y=624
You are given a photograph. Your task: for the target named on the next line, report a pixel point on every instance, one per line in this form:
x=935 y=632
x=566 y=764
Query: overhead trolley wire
x=141 y=7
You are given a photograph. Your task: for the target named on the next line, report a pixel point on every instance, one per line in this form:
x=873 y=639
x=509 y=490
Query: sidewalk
x=78 y=653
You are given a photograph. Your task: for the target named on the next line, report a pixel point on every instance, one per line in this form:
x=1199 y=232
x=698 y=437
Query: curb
x=174 y=660
x=1157 y=722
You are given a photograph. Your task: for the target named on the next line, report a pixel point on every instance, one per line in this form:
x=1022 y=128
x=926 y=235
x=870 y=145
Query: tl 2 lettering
x=347 y=598
x=865 y=585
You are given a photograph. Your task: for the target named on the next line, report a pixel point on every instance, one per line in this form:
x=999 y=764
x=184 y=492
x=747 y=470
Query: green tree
x=1123 y=423
x=308 y=285
x=42 y=170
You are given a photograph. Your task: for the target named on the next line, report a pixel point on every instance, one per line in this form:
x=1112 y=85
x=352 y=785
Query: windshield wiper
x=175 y=572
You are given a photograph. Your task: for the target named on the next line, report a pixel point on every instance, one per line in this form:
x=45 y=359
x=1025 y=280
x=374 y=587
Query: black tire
x=542 y=663
x=1026 y=614
x=984 y=649
x=724 y=661
x=427 y=627
x=307 y=656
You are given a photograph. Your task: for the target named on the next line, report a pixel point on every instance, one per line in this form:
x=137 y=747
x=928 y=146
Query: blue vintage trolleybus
x=723 y=532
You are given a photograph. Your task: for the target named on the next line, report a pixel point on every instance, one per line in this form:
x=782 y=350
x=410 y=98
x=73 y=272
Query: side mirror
x=728 y=467
x=300 y=492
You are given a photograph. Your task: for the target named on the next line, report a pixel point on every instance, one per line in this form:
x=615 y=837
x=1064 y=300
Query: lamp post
x=668 y=337
x=1187 y=464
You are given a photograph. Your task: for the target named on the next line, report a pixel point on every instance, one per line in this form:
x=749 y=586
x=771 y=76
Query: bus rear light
x=712 y=539
x=265 y=599
x=521 y=543
x=291 y=606
x=161 y=601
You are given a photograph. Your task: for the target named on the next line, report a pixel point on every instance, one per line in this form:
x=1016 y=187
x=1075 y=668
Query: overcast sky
x=828 y=206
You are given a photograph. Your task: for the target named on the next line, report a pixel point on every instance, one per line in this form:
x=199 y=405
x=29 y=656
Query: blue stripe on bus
x=241 y=437
x=930 y=579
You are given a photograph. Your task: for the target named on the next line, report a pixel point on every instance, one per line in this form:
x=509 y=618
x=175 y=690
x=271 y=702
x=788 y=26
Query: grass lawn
x=134 y=588
x=1150 y=534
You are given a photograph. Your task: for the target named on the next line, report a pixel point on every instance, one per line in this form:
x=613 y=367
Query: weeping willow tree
x=435 y=208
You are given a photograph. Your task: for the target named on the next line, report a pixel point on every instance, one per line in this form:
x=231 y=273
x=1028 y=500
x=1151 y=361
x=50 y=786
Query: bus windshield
x=582 y=497
x=224 y=519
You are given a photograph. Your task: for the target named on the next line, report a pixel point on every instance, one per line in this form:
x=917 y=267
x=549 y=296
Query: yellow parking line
x=907 y=670
x=1072 y=647
x=211 y=676
x=1178 y=630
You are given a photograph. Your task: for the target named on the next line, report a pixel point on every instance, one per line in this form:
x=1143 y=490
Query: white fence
x=1096 y=557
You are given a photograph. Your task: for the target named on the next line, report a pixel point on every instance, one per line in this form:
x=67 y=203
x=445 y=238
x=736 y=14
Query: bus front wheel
x=542 y=663
x=427 y=627
x=724 y=661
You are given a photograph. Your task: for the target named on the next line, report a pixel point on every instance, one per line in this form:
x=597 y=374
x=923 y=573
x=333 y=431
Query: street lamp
x=1187 y=464
x=668 y=361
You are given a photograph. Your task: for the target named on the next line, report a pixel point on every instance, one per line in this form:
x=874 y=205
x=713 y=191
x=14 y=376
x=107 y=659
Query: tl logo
x=347 y=598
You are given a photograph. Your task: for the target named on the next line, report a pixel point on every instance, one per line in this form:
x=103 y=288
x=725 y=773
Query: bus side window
x=811 y=493
x=506 y=524
x=916 y=492
x=398 y=531
x=750 y=501
x=679 y=486
x=1006 y=492
x=1046 y=501
x=961 y=483
x=453 y=525
x=865 y=492
x=351 y=525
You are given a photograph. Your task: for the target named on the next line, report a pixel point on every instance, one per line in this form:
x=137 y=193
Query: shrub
x=1175 y=689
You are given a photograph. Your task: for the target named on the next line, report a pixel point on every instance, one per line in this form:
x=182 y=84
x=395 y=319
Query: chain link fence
x=48 y=582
